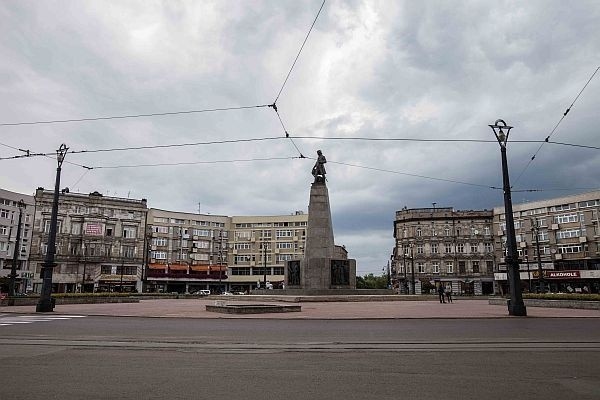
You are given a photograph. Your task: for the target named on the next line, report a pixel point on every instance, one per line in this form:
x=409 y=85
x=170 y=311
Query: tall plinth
x=324 y=267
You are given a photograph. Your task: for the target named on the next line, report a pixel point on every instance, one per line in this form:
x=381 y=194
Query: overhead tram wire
x=28 y=153
x=409 y=174
x=298 y=55
x=194 y=163
x=556 y=126
x=159 y=114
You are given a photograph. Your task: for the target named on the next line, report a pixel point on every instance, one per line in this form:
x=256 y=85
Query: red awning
x=178 y=267
x=157 y=266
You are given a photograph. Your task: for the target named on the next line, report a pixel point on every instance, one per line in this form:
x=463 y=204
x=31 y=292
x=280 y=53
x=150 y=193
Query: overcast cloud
x=373 y=69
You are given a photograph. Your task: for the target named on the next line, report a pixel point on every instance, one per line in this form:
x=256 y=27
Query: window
x=421 y=267
x=419 y=249
x=488 y=247
x=159 y=241
x=563 y=207
x=206 y=232
x=265 y=233
x=284 y=233
x=436 y=267
x=284 y=257
x=569 y=233
x=128 y=251
x=159 y=255
x=240 y=271
x=565 y=218
x=448 y=247
x=4 y=213
x=278 y=271
x=543 y=236
x=447 y=231
x=243 y=258
x=589 y=203
x=460 y=248
x=462 y=267
x=475 y=265
x=489 y=266
x=106 y=269
x=541 y=222
x=567 y=249
x=3 y=246
x=4 y=230
x=240 y=246
x=161 y=220
x=474 y=249
x=419 y=232
x=261 y=271
x=129 y=232
x=450 y=267
x=76 y=228
x=160 y=229
x=244 y=235
x=285 y=245
x=47 y=226
x=486 y=230
x=126 y=270
x=434 y=248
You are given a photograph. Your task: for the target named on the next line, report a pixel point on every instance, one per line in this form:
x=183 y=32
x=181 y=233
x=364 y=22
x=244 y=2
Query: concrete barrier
x=579 y=304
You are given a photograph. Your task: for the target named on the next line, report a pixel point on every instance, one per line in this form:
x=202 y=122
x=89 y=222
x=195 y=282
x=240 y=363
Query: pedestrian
x=441 y=293
x=448 y=291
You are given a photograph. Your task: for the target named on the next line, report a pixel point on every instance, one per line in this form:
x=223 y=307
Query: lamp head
x=501 y=131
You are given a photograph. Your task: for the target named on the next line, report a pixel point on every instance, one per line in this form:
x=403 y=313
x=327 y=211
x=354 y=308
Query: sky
x=374 y=70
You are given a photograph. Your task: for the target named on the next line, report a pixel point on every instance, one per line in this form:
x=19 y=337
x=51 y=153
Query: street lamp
x=412 y=267
x=536 y=231
x=516 y=306
x=45 y=304
x=13 y=268
x=265 y=264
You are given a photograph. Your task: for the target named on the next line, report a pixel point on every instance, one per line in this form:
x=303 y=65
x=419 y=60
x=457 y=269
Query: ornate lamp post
x=516 y=306
x=13 y=268
x=45 y=303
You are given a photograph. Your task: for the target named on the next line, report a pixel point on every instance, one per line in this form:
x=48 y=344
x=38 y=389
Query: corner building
x=99 y=242
x=567 y=232
x=443 y=245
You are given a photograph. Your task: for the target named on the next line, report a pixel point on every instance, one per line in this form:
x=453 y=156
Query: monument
x=325 y=268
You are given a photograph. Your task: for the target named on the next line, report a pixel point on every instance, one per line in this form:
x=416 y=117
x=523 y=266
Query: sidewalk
x=196 y=308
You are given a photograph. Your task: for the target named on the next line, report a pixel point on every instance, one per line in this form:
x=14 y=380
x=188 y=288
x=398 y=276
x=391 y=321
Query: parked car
x=202 y=292
x=227 y=294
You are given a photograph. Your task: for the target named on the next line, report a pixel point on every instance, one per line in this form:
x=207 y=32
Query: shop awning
x=157 y=266
x=216 y=268
x=200 y=268
x=178 y=267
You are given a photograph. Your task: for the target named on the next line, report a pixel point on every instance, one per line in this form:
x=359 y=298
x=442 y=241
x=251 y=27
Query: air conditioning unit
x=194 y=250
x=252 y=263
x=558 y=256
x=185 y=236
x=500 y=233
x=234 y=251
x=554 y=227
x=195 y=237
x=295 y=238
x=153 y=247
x=582 y=239
x=276 y=251
x=523 y=244
x=253 y=239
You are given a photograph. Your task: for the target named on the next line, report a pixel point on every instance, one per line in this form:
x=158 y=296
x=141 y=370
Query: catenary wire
x=193 y=163
x=63 y=121
x=298 y=55
x=556 y=126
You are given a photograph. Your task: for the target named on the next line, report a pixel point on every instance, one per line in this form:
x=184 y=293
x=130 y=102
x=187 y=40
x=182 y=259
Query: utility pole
x=265 y=264
x=84 y=265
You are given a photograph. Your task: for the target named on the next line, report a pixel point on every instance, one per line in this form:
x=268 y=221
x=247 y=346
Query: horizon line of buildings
x=116 y=244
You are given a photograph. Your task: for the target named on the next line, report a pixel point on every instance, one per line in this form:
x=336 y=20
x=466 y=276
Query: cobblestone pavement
x=196 y=308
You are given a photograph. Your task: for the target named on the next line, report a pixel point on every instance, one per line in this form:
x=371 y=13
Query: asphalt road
x=176 y=358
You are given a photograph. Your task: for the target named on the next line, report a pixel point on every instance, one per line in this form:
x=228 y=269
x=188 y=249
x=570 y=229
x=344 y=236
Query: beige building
x=9 y=219
x=99 y=242
x=443 y=245
x=188 y=252
x=260 y=247
x=567 y=231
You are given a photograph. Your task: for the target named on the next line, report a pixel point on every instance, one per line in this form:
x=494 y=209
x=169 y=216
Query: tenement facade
x=443 y=246
x=567 y=232
x=99 y=242
x=9 y=219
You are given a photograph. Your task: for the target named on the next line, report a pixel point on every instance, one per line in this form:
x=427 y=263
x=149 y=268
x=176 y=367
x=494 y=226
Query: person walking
x=448 y=291
x=441 y=292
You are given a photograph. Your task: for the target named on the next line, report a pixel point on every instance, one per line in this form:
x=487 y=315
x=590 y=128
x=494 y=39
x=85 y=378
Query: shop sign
x=562 y=274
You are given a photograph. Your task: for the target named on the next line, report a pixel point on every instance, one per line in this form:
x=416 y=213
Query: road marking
x=10 y=319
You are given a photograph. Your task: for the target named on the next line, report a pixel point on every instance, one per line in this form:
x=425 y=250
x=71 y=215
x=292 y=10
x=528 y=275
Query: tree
x=371 y=281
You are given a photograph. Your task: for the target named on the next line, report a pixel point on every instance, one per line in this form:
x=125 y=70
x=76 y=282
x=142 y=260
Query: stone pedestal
x=319 y=269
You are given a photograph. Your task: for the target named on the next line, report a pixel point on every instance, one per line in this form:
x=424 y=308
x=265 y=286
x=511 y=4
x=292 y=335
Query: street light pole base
x=517 y=310
x=45 y=306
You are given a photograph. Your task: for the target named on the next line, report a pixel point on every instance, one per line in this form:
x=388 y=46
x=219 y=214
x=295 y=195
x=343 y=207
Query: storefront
x=567 y=281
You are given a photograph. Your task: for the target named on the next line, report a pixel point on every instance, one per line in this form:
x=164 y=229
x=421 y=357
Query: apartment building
x=261 y=246
x=443 y=245
x=188 y=252
x=99 y=242
x=567 y=232
x=10 y=209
